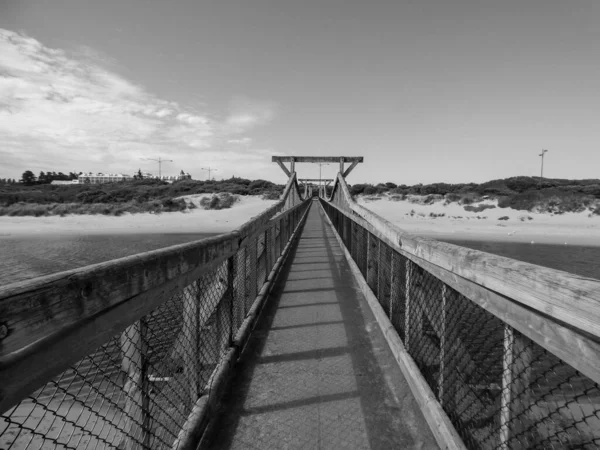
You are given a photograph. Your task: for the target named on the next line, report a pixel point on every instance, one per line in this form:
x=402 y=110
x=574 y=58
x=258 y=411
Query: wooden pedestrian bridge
x=316 y=325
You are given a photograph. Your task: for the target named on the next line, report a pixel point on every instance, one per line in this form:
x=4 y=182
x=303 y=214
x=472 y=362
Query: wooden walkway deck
x=317 y=373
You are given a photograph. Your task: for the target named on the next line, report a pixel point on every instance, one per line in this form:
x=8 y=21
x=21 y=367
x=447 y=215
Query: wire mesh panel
x=138 y=389
x=499 y=389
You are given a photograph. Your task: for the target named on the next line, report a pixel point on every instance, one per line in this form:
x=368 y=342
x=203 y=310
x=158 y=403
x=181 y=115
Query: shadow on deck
x=317 y=371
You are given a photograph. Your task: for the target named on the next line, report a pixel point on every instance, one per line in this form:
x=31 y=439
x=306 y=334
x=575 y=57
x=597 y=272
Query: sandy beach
x=436 y=220
x=457 y=223
x=192 y=221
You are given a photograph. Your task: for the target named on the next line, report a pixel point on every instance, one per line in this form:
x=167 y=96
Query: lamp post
x=209 y=170
x=542 y=172
x=159 y=161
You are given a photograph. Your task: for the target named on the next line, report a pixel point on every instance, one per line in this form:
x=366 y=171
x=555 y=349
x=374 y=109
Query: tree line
x=28 y=178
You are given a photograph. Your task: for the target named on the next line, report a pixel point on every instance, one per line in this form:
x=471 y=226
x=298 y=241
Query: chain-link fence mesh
x=138 y=389
x=499 y=389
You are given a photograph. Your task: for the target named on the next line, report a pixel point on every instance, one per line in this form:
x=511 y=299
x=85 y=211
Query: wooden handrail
x=558 y=310
x=567 y=297
x=55 y=320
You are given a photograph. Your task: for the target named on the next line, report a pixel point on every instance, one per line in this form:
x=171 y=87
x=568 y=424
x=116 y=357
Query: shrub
x=221 y=201
x=503 y=218
x=478 y=208
x=271 y=195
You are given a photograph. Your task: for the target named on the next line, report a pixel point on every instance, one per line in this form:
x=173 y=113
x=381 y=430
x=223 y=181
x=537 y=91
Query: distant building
x=99 y=178
x=75 y=181
x=171 y=178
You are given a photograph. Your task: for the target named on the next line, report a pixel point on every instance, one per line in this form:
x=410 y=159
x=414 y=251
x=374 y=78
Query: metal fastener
x=3 y=331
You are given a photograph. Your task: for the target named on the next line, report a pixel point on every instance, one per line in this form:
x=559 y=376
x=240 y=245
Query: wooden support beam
x=287 y=172
x=293 y=165
x=341 y=165
x=317 y=159
x=349 y=169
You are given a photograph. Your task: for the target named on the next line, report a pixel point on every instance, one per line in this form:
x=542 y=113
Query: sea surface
x=22 y=258
x=577 y=259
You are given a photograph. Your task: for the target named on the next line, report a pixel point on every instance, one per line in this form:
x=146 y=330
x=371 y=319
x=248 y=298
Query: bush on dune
x=217 y=202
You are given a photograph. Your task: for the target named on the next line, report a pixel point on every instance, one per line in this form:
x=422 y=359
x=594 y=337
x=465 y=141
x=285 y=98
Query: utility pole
x=159 y=161
x=542 y=172
x=209 y=170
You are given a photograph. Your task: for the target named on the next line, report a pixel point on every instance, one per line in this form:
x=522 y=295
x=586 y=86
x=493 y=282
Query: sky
x=426 y=90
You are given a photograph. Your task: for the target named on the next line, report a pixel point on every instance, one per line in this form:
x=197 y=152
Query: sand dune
x=456 y=223
x=191 y=221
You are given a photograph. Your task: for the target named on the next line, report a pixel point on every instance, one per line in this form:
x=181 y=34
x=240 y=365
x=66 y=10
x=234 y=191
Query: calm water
x=23 y=258
x=570 y=258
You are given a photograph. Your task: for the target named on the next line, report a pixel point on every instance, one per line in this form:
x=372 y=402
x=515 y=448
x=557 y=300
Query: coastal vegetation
x=136 y=196
x=555 y=196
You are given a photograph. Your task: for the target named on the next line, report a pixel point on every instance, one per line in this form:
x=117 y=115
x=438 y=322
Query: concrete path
x=317 y=372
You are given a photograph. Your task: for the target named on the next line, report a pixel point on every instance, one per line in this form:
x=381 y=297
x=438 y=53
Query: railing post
x=134 y=346
x=407 y=306
x=444 y=371
x=252 y=263
x=380 y=274
x=267 y=253
x=516 y=375
x=394 y=294
x=239 y=287
x=190 y=343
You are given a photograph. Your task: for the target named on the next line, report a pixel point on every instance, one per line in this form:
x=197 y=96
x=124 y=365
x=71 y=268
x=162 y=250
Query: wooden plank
x=317 y=159
x=134 y=347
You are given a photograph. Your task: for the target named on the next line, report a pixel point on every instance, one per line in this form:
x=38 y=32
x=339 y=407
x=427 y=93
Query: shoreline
x=191 y=221
x=436 y=221
x=452 y=222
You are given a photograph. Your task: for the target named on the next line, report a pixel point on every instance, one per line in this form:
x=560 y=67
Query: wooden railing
x=500 y=353
x=133 y=353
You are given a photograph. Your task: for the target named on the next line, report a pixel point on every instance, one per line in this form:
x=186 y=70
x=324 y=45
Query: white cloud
x=241 y=141
x=68 y=111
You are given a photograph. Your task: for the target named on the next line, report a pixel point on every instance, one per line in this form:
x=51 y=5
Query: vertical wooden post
x=239 y=287
x=267 y=253
x=371 y=269
x=407 y=311
x=191 y=331
x=292 y=165
x=443 y=344
x=381 y=274
x=516 y=378
x=252 y=262
x=134 y=347
x=394 y=282
x=342 y=165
